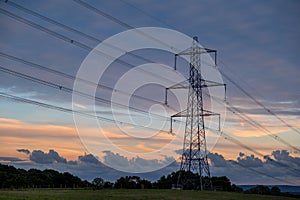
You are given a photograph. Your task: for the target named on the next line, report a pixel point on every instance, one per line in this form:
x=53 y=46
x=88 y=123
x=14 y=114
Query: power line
x=48 y=69
x=241 y=144
x=252 y=122
x=234 y=140
x=110 y=17
x=258 y=125
x=66 y=110
x=62 y=109
x=73 y=30
x=131 y=27
x=59 y=108
x=77 y=43
x=69 y=90
x=77 y=1
x=124 y=24
x=261 y=173
x=148 y=14
x=68 y=28
x=237 y=76
x=120 y=22
x=258 y=103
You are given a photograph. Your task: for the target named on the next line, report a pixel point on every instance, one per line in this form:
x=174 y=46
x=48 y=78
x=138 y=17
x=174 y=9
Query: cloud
x=217 y=160
x=10 y=159
x=135 y=164
x=72 y=162
x=26 y=151
x=52 y=156
x=250 y=161
x=89 y=158
x=239 y=171
x=284 y=156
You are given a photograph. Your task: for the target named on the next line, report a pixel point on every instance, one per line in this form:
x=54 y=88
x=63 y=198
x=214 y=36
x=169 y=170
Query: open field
x=125 y=194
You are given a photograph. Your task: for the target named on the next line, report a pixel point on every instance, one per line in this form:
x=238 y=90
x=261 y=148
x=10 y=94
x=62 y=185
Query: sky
x=257 y=45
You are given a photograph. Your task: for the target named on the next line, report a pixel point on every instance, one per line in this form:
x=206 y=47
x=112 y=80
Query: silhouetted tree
x=98 y=183
x=235 y=188
x=259 y=189
x=108 y=185
x=19 y=178
x=132 y=182
x=275 y=191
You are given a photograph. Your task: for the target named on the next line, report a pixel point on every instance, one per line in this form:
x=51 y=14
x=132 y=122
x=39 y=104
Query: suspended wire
x=66 y=110
x=262 y=173
x=131 y=27
x=259 y=103
x=237 y=76
x=110 y=17
x=148 y=14
x=252 y=122
x=120 y=22
x=123 y=24
x=73 y=30
x=69 y=90
x=68 y=28
x=78 y=44
x=59 y=108
x=258 y=125
x=234 y=140
x=241 y=144
x=128 y=26
x=44 y=68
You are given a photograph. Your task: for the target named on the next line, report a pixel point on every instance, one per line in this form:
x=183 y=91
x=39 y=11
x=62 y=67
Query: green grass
x=57 y=194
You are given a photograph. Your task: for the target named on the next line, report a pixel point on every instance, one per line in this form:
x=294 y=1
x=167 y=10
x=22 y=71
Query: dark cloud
x=136 y=164
x=250 y=161
x=52 y=156
x=217 y=160
x=26 y=151
x=284 y=156
x=239 y=171
x=72 y=162
x=179 y=151
x=88 y=158
x=10 y=159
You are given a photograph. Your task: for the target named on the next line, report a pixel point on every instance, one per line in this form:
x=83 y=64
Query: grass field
x=57 y=194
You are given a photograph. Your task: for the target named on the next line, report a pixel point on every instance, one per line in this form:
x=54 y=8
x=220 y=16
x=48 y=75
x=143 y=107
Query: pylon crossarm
x=185 y=114
x=207 y=83
x=201 y=50
x=181 y=85
x=176 y=86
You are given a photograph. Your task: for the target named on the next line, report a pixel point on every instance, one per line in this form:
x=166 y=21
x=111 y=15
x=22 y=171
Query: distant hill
x=283 y=188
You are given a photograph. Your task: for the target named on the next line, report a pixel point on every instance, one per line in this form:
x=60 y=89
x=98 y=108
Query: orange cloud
x=17 y=134
x=273 y=126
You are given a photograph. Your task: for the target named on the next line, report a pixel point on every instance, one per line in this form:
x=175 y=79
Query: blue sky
x=257 y=44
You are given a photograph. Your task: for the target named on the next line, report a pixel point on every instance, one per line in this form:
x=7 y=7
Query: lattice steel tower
x=194 y=155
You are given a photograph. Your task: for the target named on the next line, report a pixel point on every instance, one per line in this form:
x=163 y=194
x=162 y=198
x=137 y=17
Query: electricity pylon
x=194 y=155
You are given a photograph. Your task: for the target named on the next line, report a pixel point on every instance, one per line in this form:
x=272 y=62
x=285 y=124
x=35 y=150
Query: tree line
x=33 y=178
x=11 y=177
